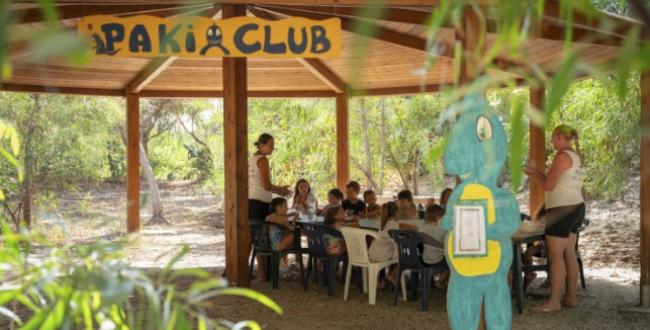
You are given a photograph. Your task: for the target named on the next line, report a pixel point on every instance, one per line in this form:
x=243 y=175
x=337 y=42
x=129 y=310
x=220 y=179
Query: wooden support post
x=132 y=163
x=537 y=152
x=342 y=140
x=235 y=125
x=645 y=190
x=473 y=46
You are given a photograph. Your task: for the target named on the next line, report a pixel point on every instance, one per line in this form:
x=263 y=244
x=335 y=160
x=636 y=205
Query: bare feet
x=569 y=303
x=547 y=307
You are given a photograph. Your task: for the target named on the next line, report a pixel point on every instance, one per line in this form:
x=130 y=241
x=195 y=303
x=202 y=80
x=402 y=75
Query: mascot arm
x=508 y=218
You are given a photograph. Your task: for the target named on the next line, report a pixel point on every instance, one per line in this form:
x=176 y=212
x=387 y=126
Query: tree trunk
x=362 y=168
x=400 y=170
x=370 y=182
x=154 y=192
x=415 y=175
x=28 y=188
x=27 y=194
x=202 y=143
x=382 y=156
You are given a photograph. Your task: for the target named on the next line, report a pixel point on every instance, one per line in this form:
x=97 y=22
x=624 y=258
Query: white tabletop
x=369 y=223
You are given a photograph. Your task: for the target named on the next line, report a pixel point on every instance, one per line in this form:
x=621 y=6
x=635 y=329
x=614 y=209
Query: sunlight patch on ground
x=155 y=246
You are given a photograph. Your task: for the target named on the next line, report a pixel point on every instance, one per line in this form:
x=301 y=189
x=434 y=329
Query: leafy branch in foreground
x=90 y=287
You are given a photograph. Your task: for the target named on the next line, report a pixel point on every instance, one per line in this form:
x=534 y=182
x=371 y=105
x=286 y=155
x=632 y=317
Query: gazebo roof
x=396 y=51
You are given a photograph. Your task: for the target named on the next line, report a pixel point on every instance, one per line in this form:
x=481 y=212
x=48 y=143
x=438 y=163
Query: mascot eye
x=483 y=128
x=209 y=32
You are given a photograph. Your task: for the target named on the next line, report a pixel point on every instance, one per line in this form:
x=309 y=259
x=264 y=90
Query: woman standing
x=563 y=210
x=260 y=188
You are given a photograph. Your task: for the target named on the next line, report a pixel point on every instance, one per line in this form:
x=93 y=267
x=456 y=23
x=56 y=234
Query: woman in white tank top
x=563 y=212
x=260 y=188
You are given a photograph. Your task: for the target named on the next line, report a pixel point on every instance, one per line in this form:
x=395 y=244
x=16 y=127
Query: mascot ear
x=483 y=128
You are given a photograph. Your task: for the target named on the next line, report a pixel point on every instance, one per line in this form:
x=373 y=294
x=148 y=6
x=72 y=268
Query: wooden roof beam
x=552 y=32
x=403 y=90
x=251 y=93
x=315 y=66
x=392 y=14
x=157 y=66
x=622 y=25
x=33 y=15
x=380 y=33
x=8 y=87
x=152 y=70
x=324 y=73
x=406 y=3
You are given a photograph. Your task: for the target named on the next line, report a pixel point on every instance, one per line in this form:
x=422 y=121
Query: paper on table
x=469 y=231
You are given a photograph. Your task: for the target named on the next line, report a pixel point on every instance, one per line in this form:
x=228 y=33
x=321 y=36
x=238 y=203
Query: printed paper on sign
x=469 y=228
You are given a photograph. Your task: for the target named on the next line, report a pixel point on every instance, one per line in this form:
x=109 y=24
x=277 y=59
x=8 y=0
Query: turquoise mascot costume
x=476 y=152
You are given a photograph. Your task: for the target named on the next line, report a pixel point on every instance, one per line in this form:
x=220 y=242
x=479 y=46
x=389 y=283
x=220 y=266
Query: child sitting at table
x=434 y=238
x=383 y=249
x=281 y=236
x=334 y=198
x=303 y=199
x=407 y=209
x=373 y=210
x=352 y=204
x=335 y=218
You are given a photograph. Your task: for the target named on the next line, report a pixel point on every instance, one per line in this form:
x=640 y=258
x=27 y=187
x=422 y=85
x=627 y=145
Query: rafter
x=350 y=25
x=621 y=25
x=408 y=3
x=251 y=93
x=158 y=65
x=152 y=70
x=324 y=73
x=392 y=14
x=9 y=87
x=33 y=15
x=315 y=66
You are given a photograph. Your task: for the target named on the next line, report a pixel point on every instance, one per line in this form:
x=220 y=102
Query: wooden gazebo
x=396 y=49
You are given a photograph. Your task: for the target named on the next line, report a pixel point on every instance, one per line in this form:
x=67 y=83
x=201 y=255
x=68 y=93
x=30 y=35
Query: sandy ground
x=609 y=247
x=600 y=308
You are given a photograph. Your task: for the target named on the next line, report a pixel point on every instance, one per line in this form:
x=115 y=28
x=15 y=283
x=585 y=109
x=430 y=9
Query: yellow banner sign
x=148 y=36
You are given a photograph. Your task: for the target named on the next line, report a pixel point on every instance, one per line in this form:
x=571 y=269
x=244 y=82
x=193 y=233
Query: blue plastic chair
x=409 y=247
x=317 y=249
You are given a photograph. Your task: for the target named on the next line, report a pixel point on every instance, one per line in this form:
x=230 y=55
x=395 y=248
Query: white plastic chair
x=355 y=240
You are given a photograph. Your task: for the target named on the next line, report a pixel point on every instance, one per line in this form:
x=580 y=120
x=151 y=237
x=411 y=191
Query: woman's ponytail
x=264 y=138
x=576 y=141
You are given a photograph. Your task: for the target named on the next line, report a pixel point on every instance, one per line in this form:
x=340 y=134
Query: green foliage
x=608 y=130
x=169 y=157
x=8 y=133
x=516 y=143
x=408 y=136
x=64 y=136
x=90 y=286
x=305 y=139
